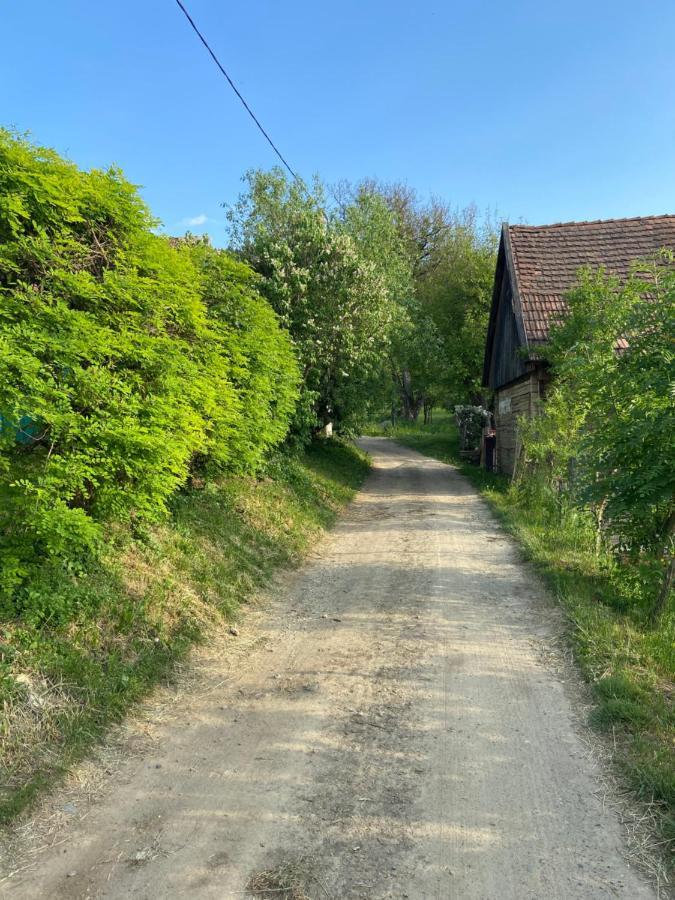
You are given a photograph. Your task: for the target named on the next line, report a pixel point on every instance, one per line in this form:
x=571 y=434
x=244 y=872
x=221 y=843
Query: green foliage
x=261 y=365
x=365 y=213
x=470 y=421
x=386 y=298
x=455 y=290
x=444 y=265
x=328 y=295
x=417 y=359
x=627 y=442
x=606 y=439
x=129 y=361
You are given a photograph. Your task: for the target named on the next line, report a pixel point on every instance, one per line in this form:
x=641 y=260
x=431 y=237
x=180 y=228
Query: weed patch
x=288 y=880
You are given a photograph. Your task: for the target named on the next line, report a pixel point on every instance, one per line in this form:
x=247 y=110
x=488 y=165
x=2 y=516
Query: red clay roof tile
x=547 y=259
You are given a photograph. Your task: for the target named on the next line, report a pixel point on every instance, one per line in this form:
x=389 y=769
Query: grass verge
x=630 y=665
x=63 y=682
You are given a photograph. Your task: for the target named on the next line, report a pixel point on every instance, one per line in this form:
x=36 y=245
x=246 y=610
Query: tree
x=448 y=259
x=455 y=289
x=612 y=410
x=328 y=293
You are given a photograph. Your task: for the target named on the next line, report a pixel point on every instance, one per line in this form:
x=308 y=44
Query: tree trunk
x=413 y=409
x=428 y=411
x=667 y=584
x=666 y=587
x=411 y=404
x=599 y=515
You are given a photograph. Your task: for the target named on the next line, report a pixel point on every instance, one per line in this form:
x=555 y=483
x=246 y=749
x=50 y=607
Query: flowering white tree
x=470 y=421
x=330 y=297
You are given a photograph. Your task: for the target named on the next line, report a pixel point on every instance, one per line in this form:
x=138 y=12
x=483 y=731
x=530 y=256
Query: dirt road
x=393 y=726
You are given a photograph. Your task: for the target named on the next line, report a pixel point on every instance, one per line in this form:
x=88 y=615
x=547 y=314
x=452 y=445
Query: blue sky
x=541 y=111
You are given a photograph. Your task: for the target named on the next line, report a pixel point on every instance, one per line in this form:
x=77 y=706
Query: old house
x=536 y=266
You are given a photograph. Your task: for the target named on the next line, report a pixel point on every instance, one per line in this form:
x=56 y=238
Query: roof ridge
x=591 y=222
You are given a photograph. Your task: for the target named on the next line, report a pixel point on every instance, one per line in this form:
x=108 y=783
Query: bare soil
x=394 y=721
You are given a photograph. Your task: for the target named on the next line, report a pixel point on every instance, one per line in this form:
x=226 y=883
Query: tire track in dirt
x=394 y=730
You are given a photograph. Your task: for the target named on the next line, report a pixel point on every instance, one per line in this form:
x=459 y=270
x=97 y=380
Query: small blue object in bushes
x=25 y=431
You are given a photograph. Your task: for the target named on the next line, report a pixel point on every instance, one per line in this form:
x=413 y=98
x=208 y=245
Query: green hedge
x=127 y=362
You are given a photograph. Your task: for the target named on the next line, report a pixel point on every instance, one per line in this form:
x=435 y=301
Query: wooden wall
x=506 y=361
x=521 y=398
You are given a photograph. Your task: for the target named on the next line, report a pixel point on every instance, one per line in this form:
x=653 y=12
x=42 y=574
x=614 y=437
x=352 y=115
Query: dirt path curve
x=394 y=730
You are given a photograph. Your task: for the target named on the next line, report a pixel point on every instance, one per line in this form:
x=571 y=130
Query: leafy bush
x=470 y=421
x=261 y=363
x=605 y=440
x=126 y=359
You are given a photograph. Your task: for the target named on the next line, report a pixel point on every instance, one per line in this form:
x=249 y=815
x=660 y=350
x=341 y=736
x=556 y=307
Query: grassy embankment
x=630 y=665
x=61 y=686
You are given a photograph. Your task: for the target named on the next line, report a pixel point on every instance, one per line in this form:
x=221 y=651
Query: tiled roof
x=547 y=259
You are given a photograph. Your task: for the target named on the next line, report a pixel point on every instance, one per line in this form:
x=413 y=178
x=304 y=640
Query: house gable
x=506 y=346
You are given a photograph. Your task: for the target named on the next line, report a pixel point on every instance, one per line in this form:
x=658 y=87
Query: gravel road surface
x=392 y=722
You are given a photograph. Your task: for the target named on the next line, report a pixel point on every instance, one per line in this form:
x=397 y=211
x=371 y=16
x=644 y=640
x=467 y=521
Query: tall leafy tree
x=455 y=290
x=328 y=293
x=443 y=301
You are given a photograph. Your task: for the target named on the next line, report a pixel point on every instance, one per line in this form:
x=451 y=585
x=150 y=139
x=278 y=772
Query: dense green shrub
x=126 y=359
x=262 y=364
x=604 y=444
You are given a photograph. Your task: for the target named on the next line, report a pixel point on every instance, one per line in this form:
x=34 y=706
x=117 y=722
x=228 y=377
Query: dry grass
x=24 y=841
x=288 y=880
x=31 y=719
x=640 y=820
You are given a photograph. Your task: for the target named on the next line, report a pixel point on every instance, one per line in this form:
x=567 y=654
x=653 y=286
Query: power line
x=234 y=88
